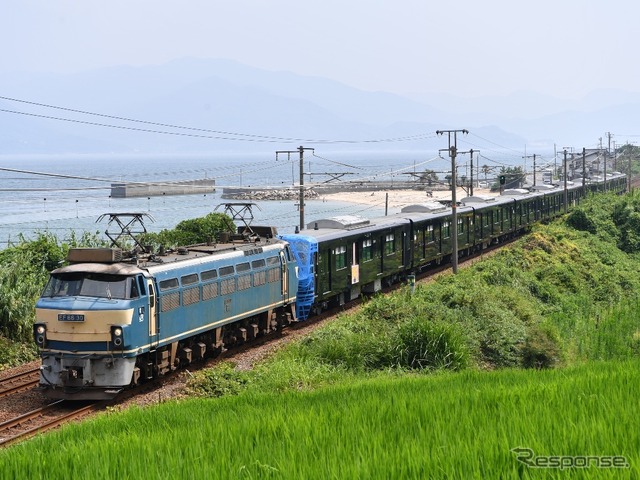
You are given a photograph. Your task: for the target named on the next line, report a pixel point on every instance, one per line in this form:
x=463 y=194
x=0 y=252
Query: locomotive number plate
x=71 y=317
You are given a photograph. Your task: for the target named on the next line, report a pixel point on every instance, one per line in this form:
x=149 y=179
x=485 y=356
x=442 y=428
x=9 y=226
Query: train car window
x=431 y=236
x=209 y=275
x=273 y=261
x=258 y=263
x=460 y=225
x=367 y=250
x=340 y=254
x=243 y=267
x=389 y=244
x=189 y=279
x=446 y=230
x=226 y=271
x=168 y=284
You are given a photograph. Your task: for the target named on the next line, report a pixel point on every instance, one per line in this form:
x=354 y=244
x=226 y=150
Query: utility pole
x=471 y=163
x=454 y=212
x=604 y=157
x=300 y=150
x=534 y=166
x=629 y=167
x=566 y=196
x=584 y=169
x=470 y=191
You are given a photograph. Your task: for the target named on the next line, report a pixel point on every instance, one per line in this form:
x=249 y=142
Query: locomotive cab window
x=97 y=285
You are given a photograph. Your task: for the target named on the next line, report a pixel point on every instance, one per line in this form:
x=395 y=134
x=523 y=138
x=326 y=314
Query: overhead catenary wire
x=217 y=134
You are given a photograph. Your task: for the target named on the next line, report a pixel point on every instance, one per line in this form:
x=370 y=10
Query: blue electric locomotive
x=104 y=323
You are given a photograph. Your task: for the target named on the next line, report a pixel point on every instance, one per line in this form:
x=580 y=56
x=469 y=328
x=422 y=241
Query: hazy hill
x=223 y=98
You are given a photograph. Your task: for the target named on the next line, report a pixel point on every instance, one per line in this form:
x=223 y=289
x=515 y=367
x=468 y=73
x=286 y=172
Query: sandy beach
x=400 y=198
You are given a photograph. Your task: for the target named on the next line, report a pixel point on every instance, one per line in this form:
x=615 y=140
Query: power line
x=218 y=134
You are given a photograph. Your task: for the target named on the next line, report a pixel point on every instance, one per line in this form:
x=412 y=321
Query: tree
x=192 y=231
x=485 y=169
x=429 y=177
x=515 y=176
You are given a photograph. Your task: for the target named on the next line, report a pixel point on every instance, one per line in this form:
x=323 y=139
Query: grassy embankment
x=559 y=297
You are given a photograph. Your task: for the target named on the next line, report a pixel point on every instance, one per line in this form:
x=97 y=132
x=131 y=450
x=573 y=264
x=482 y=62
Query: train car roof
x=349 y=225
x=201 y=254
x=183 y=257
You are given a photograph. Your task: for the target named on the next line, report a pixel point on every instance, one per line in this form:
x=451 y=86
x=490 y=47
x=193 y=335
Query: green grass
x=461 y=425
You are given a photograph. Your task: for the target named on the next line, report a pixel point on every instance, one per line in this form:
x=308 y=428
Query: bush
x=579 y=220
x=222 y=380
x=12 y=353
x=424 y=344
x=542 y=347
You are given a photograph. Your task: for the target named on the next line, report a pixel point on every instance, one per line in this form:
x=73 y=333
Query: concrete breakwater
x=182 y=187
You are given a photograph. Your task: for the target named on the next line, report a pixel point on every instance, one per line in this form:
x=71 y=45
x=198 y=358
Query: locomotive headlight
x=39 y=334
x=117 y=337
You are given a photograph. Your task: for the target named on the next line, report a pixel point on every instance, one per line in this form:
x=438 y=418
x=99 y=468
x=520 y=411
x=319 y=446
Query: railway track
x=43 y=419
x=19 y=382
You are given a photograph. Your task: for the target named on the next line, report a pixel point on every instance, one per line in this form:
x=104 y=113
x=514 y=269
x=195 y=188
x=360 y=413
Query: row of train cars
x=107 y=321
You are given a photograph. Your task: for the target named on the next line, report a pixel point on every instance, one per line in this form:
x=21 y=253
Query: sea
x=67 y=194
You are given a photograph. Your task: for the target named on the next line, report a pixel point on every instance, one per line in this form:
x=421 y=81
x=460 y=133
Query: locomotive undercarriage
x=81 y=377
x=210 y=344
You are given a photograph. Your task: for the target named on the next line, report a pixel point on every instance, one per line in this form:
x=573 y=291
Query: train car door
x=153 y=314
x=284 y=276
x=355 y=266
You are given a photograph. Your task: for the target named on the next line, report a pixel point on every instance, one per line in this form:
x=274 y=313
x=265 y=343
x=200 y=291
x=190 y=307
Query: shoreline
x=400 y=198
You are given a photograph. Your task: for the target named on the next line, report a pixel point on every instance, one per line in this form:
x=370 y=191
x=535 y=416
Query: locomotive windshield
x=97 y=285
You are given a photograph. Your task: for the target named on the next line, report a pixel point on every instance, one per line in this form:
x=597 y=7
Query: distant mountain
x=545 y=120
x=236 y=107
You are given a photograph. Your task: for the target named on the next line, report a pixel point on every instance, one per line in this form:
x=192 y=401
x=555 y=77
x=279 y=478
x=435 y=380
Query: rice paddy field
x=582 y=421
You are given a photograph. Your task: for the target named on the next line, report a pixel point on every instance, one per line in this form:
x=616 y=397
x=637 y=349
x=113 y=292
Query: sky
x=563 y=48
